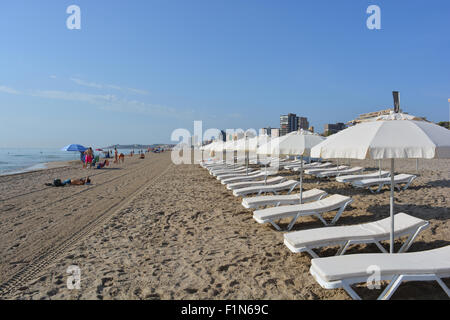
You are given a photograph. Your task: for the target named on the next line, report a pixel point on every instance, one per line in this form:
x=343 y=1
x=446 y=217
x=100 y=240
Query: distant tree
x=445 y=124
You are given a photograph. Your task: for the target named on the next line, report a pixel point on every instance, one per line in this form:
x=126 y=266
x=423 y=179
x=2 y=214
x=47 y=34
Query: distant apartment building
x=275 y=132
x=291 y=122
x=265 y=131
x=223 y=136
x=272 y=132
x=302 y=123
x=333 y=128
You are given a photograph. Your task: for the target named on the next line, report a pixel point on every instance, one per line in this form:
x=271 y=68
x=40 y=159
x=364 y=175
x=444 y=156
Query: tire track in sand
x=52 y=250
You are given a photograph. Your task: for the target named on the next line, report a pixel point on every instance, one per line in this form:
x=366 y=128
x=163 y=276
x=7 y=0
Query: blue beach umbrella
x=74 y=147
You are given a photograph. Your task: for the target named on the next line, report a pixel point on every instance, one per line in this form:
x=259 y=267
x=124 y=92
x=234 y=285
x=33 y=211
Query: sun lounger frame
x=383 y=183
x=309 y=213
x=344 y=245
x=395 y=282
x=268 y=190
x=277 y=204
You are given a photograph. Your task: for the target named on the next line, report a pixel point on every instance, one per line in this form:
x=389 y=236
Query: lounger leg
x=409 y=182
x=382 y=249
x=312 y=253
x=391 y=288
x=293 y=187
x=411 y=238
x=292 y=222
x=338 y=215
x=379 y=188
x=276 y=226
x=318 y=216
x=350 y=291
x=443 y=286
x=343 y=248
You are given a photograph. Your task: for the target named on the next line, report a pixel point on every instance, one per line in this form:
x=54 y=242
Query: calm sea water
x=21 y=160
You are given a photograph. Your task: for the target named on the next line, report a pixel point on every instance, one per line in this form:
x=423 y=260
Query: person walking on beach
x=115 y=155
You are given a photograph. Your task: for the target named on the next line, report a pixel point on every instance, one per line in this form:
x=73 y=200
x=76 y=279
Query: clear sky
x=139 y=69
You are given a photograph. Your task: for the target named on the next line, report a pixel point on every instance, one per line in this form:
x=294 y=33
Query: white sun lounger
x=225 y=168
x=381 y=182
x=214 y=165
x=315 y=171
x=266 y=201
x=316 y=208
x=256 y=175
x=258 y=183
x=345 y=236
x=228 y=171
x=344 y=271
x=326 y=174
x=251 y=173
x=286 y=185
x=240 y=173
x=314 y=165
x=351 y=178
x=293 y=164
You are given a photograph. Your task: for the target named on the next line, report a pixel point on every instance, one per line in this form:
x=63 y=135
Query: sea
x=18 y=160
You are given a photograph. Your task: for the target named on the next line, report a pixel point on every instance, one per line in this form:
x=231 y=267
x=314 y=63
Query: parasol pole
x=379 y=168
x=301 y=179
x=392 y=207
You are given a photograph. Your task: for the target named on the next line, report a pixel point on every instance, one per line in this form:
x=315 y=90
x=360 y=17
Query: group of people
x=89 y=160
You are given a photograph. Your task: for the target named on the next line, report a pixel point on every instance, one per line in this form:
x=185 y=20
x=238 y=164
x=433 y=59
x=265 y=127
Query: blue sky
x=137 y=70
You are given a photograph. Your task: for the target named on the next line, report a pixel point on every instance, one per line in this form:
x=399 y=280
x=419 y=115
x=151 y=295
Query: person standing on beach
x=115 y=155
x=89 y=157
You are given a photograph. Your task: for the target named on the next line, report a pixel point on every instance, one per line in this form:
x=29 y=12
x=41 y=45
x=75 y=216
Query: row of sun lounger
x=344 y=271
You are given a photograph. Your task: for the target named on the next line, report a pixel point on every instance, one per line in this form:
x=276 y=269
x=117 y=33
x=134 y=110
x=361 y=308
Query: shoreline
x=39 y=167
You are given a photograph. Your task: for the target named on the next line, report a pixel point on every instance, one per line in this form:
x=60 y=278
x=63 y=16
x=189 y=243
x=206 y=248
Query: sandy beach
x=150 y=229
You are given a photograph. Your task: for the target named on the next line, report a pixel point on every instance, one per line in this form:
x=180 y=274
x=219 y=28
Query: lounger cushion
x=261 y=201
x=337 y=268
x=328 y=204
x=238 y=177
x=350 y=178
x=245 y=184
x=339 y=172
x=224 y=170
x=228 y=172
x=277 y=187
x=314 y=165
x=320 y=237
x=400 y=178
x=251 y=176
x=317 y=170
